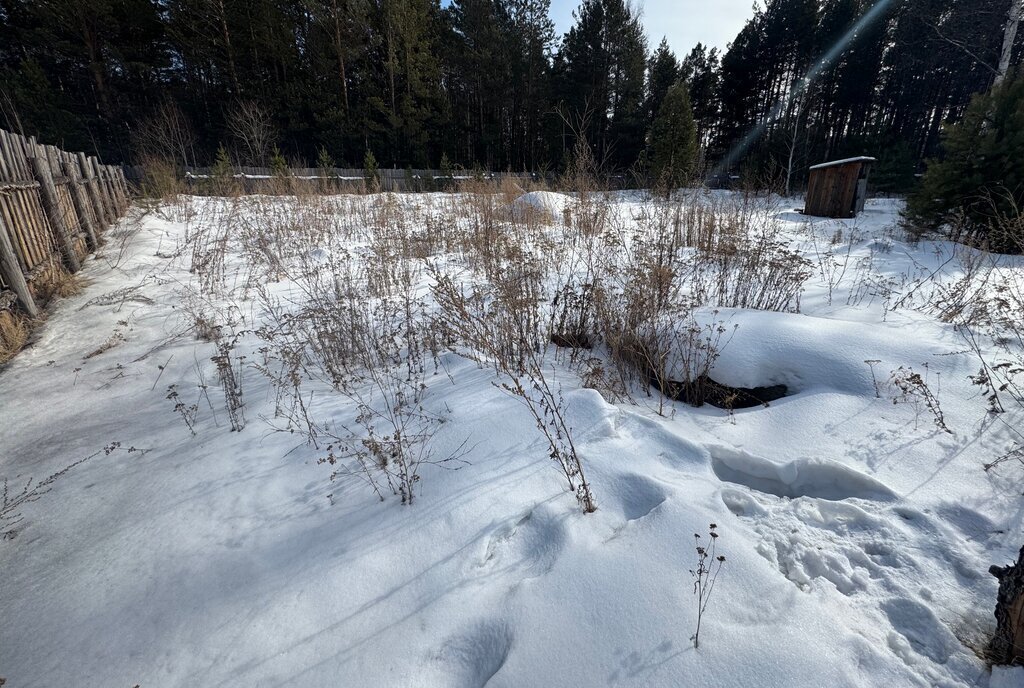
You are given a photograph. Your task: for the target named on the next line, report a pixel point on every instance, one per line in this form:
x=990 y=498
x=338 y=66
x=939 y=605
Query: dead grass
x=15 y=327
x=14 y=333
x=609 y=289
x=57 y=282
x=160 y=178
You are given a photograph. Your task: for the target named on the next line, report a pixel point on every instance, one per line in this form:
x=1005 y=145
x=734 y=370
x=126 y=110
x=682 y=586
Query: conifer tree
x=662 y=74
x=371 y=172
x=278 y=165
x=977 y=189
x=324 y=162
x=447 y=172
x=672 y=142
x=701 y=71
x=222 y=174
x=600 y=76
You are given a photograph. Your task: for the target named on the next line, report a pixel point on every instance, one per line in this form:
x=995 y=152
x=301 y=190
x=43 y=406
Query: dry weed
x=14 y=333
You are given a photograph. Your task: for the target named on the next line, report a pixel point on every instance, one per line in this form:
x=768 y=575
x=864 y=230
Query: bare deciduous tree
x=254 y=132
x=167 y=135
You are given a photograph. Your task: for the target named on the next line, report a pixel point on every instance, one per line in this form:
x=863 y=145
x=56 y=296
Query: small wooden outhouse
x=838 y=188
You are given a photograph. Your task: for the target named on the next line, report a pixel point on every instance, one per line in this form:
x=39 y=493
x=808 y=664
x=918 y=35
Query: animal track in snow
x=818 y=478
x=531 y=544
x=917 y=629
x=809 y=539
x=639 y=496
x=471 y=659
x=876 y=560
x=742 y=502
x=674 y=449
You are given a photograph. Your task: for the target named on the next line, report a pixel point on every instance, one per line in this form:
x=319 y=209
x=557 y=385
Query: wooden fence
x=334 y=179
x=54 y=208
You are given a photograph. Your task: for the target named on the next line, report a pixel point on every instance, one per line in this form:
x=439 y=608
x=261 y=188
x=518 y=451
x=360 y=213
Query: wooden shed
x=838 y=188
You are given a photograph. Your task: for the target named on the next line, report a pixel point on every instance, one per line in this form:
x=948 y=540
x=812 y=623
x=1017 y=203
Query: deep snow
x=857 y=534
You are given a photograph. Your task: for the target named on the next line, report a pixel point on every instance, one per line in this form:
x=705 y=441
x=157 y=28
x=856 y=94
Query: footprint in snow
x=639 y=496
x=918 y=631
x=530 y=545
x=472 y=658
x=818 y=478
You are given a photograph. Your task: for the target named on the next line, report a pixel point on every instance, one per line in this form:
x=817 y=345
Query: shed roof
x=846 y=161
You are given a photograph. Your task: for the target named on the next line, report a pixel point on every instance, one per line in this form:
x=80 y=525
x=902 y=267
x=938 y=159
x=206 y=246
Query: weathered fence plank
x=93 y=188
x=13 y=276
x=81 y=204
x=53 y=212
x=54 y=207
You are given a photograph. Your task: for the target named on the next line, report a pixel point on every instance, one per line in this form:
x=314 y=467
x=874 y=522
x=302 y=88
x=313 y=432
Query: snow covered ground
x=857 y=533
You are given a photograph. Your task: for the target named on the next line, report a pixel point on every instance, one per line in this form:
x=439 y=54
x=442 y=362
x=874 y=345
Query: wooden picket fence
x=252 y=180
x=54 y=208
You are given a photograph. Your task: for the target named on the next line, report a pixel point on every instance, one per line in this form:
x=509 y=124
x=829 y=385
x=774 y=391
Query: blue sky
x=683 y=22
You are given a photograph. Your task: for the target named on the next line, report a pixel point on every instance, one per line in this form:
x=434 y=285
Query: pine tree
x=662 y=73
x=976 y=190
x=404 y=101
x=324 y=162
x=447 y=172
x=371 y=172
x=894 y=171
x=601 y=72
x=672 y=142
x=222 y=174
x=701 y=71
x=532 y=38
x=485 y=80
x=278 y=165
x=222 y=164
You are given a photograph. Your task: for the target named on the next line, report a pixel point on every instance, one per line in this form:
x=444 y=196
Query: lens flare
x=823 y=63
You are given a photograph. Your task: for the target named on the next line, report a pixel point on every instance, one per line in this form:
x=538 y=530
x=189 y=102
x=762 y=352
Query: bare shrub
x=914 y=388
x=187 y=412
x=253 y=130
x=166 y=135
x=985 y=303
x=160 y=178
x=352 y=328
x=503 y=327
x=13 y=499
x=230 y=382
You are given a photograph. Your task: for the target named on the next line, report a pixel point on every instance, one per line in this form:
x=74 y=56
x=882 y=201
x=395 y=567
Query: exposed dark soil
x=704 y=390
x=698 y=392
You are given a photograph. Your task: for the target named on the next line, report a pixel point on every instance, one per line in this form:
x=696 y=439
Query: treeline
x=488 y=83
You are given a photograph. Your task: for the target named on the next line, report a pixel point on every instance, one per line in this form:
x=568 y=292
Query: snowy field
x=227 y=359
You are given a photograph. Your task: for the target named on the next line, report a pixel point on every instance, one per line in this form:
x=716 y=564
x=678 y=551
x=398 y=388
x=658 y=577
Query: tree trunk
x=338 y=48
x=1009 y=35
x=229 y=51
x=792 y=146
x=1007 y=644
x=96 y=65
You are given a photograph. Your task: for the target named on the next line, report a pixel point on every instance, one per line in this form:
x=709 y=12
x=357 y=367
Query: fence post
x=115 y=204
x=52 y=207
x=94 y=191
x=122 y=197
x=11 y=270
x=115 y=200
x=124 y=183
x=101 y=184
x=81 y=205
